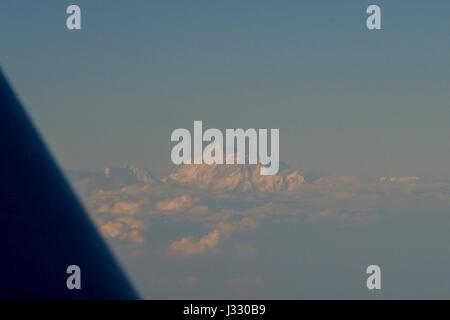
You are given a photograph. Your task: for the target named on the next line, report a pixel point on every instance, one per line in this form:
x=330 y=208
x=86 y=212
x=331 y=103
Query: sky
x=352 y=105
x=346 y=100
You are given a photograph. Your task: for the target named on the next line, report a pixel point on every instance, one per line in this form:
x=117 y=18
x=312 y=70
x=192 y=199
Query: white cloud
x=183 y=203
x=187 y=246
x=124 y=228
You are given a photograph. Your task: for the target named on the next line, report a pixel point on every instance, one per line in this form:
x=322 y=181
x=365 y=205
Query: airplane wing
x=43 y=227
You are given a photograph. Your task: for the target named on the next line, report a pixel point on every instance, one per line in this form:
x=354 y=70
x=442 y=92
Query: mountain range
x=231 y=177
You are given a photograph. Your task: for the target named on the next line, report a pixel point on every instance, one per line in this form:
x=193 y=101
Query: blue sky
x=346 y=100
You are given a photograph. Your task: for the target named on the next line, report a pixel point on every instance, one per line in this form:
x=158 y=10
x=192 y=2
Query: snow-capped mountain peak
x=234 y=177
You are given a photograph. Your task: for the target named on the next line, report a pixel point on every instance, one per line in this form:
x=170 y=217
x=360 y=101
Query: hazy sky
x=346 y=100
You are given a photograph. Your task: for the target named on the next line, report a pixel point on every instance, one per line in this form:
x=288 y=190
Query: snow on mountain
x=226 y=177
x=235 y=178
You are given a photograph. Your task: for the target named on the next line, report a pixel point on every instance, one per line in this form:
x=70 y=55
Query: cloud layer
x=223 y=202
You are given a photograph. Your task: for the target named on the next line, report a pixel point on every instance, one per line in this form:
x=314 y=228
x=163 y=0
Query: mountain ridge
x=226 y=177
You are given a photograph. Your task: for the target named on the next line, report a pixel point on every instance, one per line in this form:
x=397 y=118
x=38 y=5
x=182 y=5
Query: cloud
x=173 y=228
x=187 y=246
x=121 y=207
x=135 y=236
x=124 y=228
x=126 y=212
x=183 y=203
x=176 y=204
x=400 y=179
x=111 y=229
x=125 y=208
